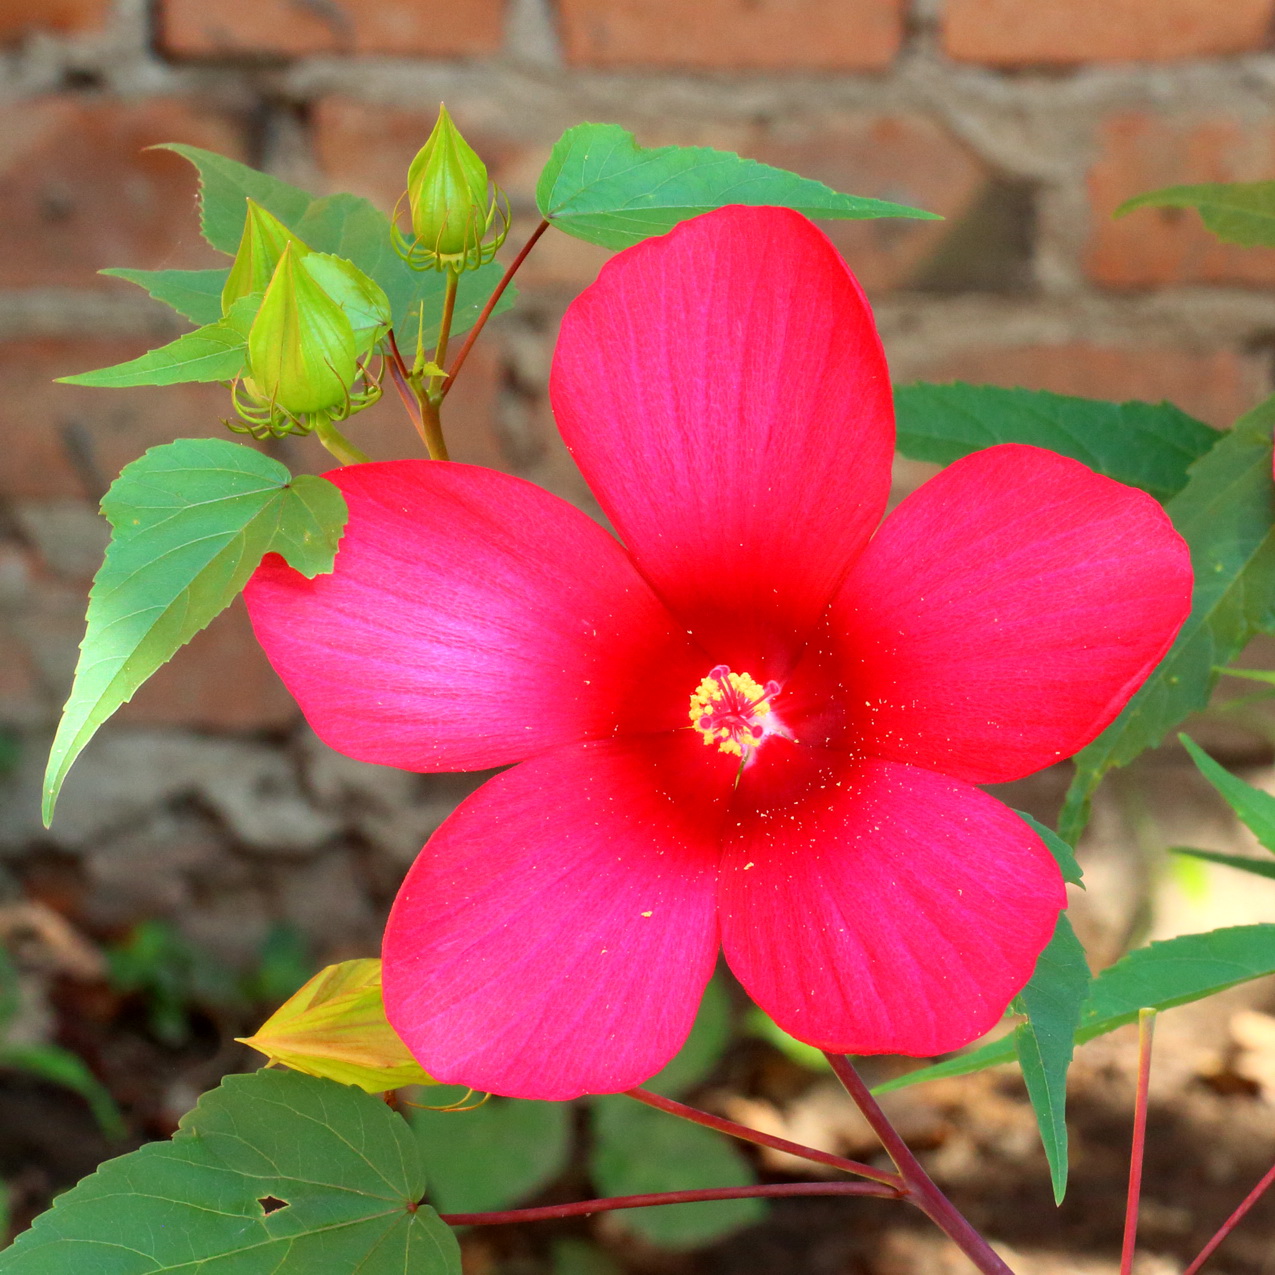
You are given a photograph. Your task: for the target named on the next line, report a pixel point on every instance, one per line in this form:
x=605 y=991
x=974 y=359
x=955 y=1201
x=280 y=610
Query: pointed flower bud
x=260 y=247
x=451 y=205
x=303 y=357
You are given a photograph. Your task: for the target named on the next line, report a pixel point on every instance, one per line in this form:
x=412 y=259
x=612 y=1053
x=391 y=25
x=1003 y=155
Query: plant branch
x=745 y=1134
x=1146 y=1029
x=582 y=1208
x=339 y=445
x=1231 y=1222
x=445 y=327
x=398 y=373
x=481 y=321
x=921 y=1189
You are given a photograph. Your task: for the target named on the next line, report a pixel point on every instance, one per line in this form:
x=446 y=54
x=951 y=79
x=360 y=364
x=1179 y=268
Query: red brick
x=1027 y=32
x=68 y=440
x=290 y=28
x=19 y=18
x=78 y=190
x=220 y=681
x=1216 y=386
x=734 y=35
x=1140 y=152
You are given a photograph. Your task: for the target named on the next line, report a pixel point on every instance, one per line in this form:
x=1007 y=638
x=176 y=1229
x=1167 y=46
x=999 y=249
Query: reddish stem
x=921 y=1189
x=1231 y=1222
x=472 y=335
x=1146 y=1029
x=398 y=371
x=744 y=1133
x=581 y=1208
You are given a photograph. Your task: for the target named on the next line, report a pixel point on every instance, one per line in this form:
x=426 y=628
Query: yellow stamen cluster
x=711 y=696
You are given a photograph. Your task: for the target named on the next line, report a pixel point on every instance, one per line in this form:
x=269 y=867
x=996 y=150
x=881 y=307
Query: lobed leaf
x=191 y=521
x=195 y=294
x=1147 y=445
x=1224 y=513
x=271 y=1174
x=1160 y=976
x=1052 y=1002
x=601 y=186
x=213 y=353
x=1062 y=852
x=1254 y=808
x=1236 y=212
x=494 y=1156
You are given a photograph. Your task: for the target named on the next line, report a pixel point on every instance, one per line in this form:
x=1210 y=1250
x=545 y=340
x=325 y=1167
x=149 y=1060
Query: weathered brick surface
x=79 y=191
x=1028 y=32
x=733 y=34
x=21 y=17
x=1139 y=152
x=1215 y=386
x=289 y=28
x=67 y=441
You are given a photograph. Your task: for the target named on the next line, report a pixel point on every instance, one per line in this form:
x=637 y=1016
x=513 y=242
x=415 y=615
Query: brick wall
x=1024 y=124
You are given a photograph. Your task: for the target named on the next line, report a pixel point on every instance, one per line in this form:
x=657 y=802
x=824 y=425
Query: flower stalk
x=582 y=1208
x=920 y=1187
x=1146 y=1030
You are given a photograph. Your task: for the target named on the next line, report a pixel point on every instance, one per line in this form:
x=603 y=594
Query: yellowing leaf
x=335 y=1027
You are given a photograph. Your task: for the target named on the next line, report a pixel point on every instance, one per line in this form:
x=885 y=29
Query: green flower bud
x=451 y=204
x=361 y=298
x=260 y=247
x=302 y=358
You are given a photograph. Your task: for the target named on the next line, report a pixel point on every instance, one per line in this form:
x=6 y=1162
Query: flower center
x=732 y=710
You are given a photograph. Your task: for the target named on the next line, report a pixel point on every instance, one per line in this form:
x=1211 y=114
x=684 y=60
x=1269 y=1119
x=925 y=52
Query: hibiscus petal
x=472 y=620
x=724 y=391
x=890 y=910
x=1002 y=616
x=556 y=933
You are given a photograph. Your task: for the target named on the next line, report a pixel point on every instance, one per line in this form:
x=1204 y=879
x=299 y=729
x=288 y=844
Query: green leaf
x=758 y=1023
x=191 y=519
x=1147 y=445
x=1259 y=867
x=213 y=353
x=196 y=294
x=1161 y=976
x=225 y=186
x=600 y=186
x=1052 y=1002
x=338 y=1170
x=1224 y=513
x=345 y=226
x=637 y=1149
x=493 y=1156
x=350 y=227
x=703 y=1049
x=1061 y=851
x=1254 y=808
x=59 y=1066
x=578 y=1257
x=1236 y=212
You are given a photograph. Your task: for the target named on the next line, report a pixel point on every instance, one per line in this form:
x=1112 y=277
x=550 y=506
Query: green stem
x=445 y=327
x=339 y=445
x=431 y=426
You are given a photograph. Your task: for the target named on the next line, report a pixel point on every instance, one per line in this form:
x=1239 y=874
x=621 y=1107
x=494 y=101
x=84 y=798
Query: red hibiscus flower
x=749 y=723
